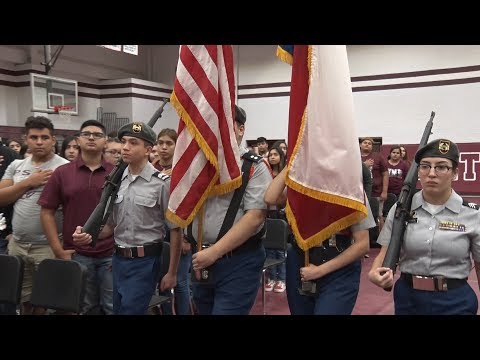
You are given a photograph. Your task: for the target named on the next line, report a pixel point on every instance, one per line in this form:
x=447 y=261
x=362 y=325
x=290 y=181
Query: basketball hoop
x=64 y=112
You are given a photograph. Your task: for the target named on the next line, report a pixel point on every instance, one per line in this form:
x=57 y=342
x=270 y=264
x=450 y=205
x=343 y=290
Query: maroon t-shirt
x=78 y=190
x=396 y=176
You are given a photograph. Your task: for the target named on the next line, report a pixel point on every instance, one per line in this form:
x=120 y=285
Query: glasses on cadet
x=96 y=135
x=439 y=169
x=113 y=152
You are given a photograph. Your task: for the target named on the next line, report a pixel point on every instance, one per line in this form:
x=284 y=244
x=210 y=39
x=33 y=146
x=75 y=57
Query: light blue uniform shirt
x=138 y=214
x=439 y=244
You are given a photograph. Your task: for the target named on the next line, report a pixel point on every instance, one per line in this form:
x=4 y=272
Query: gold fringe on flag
x=285 y=56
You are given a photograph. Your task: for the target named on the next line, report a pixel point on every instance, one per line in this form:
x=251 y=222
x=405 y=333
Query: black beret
x=240 y=115
x=139 y=130
x=442 y=148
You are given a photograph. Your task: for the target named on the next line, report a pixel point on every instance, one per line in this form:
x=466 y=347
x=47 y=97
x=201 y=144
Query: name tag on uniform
x=451 y=226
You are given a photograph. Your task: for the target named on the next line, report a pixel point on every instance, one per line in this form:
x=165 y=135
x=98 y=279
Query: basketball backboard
x=49 y=92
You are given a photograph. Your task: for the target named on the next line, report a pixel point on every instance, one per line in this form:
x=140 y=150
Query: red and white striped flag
x=207 y=159
x=324 y=176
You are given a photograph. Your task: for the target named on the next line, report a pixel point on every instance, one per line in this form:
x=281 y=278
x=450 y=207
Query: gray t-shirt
x=26 y=226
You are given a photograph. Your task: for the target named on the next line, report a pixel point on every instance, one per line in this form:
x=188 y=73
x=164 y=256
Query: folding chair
x=275 y=239
x=157 y=299
x=59 y=285
x=11 y=279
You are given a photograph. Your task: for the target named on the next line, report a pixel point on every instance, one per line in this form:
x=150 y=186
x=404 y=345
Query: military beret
x=139 y=130
x=240 y=115
x=439 y=148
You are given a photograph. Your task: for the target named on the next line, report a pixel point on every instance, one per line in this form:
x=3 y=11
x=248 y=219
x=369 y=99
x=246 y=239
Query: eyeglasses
x=439 y=169
x=113 y=152
x=96 y=135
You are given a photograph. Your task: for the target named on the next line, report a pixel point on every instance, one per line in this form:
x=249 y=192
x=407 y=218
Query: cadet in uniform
x=439 y=239
x=138 y=225
x=334 y=268
x=235 y=261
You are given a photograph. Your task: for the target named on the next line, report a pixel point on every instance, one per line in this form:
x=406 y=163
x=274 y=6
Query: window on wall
x=129 y=49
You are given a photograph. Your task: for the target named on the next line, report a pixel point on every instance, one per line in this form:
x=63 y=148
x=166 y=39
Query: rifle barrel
x=402 y=212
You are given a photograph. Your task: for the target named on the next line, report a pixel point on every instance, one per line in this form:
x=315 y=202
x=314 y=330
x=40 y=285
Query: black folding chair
x=59 y=285
x=157 y=300
x=275 y=239
x=11 y=279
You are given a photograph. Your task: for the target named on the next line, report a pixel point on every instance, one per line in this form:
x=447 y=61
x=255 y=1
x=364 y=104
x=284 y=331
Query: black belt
x=152 y=249
x=328 y=250
x=432 y=283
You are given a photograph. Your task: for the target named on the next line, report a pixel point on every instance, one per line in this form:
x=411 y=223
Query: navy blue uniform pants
x=337 y=293
x=235 y=285
x=458 y=301
x=134 y=282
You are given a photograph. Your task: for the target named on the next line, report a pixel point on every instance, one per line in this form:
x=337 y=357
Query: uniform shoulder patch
x=161 y=176
x=252 y=157
x=470 y=204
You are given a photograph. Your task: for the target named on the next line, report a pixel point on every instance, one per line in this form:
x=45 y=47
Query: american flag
x=207 y=159
x=324 y=179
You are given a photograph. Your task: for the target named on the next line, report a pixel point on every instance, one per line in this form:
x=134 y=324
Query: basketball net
x=63 y=111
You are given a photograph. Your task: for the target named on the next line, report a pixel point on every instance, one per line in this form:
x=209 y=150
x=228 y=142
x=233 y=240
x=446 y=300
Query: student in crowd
x=166 y=141
x=335 y=265
x=397 y=171
x=404 y=156
x=262 y=146
x=15 y=145
x=378 y=166
x=70 y=148
x=282 y=145
x=76 y=188
x=113 y=151
x=236 y=259
x=139 y=226
x=276 y=274
x=153 y=158
x=22 y=184
x=441 y=238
